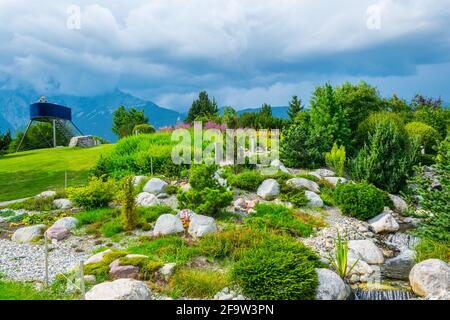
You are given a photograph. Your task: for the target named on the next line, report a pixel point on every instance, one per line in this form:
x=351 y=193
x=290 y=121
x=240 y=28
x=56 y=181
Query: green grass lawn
x=28 y=173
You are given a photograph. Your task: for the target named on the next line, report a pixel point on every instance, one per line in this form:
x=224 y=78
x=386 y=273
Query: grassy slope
x=27 y=173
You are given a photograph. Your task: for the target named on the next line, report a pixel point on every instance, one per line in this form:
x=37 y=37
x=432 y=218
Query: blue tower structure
x=59 y=116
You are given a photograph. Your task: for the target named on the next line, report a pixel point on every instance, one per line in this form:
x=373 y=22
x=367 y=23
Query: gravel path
x=26 y=261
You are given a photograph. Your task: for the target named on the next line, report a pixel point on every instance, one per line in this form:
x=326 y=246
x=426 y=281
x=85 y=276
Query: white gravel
x=26 y=261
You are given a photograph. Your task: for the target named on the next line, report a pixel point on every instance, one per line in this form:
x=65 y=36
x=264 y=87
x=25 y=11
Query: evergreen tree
x=295 y=106
x=203 y=107
x=5 y=141
x=125 y=120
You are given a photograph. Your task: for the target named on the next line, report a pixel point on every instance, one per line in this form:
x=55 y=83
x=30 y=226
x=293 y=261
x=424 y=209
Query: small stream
x=360 y=294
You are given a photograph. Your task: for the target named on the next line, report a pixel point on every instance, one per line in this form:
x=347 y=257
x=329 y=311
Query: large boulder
x=335 y=180
x=168 y=224
x=57 y=232
x=269 y=189
x=201 y=225
x=70 y=223
x=367 y=251
x=314 y=199
x=145 y=199
x=384 y=222
x=28 y=234
x=121 y=289
x=331 y=286
x=400 y=266
x=299 y=183
x=97 y=257
x=155 y=186
x=62 y=203
x=430 y=277
x=83 y=142
x=400 y=205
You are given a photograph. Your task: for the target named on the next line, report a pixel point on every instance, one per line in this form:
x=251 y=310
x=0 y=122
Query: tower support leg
x=24 y=135
x=54 y=133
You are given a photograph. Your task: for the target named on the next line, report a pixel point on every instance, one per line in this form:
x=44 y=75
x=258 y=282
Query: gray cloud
x=243 y=51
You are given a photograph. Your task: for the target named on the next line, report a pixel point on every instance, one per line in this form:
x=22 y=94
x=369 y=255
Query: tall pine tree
x=295 y=106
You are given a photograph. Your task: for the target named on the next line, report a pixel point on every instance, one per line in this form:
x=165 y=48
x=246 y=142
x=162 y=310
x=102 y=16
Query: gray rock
x=367 y=251
x=46 y=194
x=28 y=234
x=83 y=142
x=201 y=225
x=384 y=222
x=121 y=289
x=299 y=183
x=400 y=266
x=334 y=180
x=97 y=257
x=155 y=186
x=168 y=224
x=399 y=204
x=322 y=173
x=167 y=270
x=62 y=203
x=314 y=199
x=430 y=278
x=70 y=223
x=331 y=286
x=57 y=232
x=269 y=189
x=145 y=199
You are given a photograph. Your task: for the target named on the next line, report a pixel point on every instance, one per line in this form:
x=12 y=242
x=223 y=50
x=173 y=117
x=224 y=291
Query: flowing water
x=402 y=240
x=360 y=294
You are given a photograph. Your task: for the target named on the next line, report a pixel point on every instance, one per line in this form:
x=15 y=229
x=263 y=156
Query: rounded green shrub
x=247 y=180
x=96 y=194
x=359 y=200
x=280 y=269
x=427 y=136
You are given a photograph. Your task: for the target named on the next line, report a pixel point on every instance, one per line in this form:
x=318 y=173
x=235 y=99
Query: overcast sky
x=244 y=52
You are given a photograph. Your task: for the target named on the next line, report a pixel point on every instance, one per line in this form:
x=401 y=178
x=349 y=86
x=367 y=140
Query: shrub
x=197 y=283
x=295 y=196
x=279 y=269
x=427 y=136
x=388 y=158
x=94 y=216
x=129 y=214
x=434 y=201
x=206 y=195
x=143 y=128
x=247 y=180
x=38 y=218
x=278 y=218
x=359 y=200
x=96 y=194
x=172 y=189
x=336 y=159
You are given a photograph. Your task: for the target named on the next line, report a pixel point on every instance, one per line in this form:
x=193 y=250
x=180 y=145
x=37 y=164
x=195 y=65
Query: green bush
x=427 y=136
x=388 y=158
x=278 y=218
x=205 y=196
x=279 y=269
x=247 y=180
x=336 y=159
x=359 y=200
x=296 y=196
x=94 y=216
x=152 y=213
x=197 y=283
x=96 y=194
x=143 y=128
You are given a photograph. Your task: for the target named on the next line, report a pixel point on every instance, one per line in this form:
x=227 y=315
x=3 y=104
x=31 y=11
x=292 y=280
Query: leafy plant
x=248 y=180
x=295 y=196
x=340 y=258
x=359 y=200
x=336 y=159
x=96 y=194
x=431 y=249
x=427 y=136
